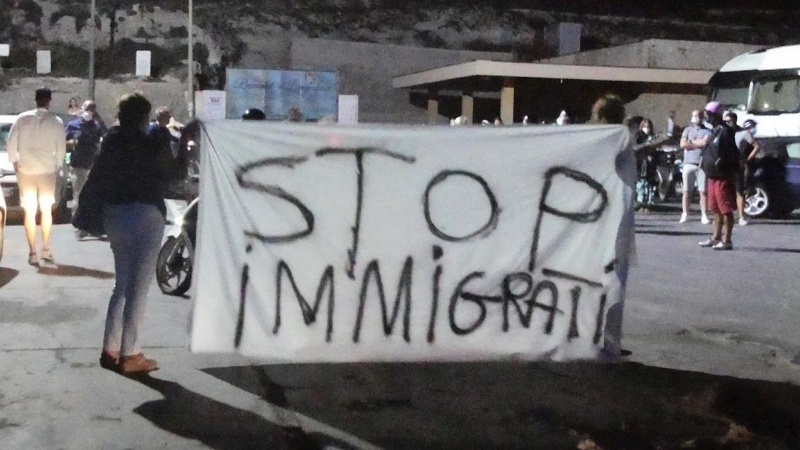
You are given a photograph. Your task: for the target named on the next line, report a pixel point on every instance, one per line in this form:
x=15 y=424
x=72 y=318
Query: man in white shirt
x=36 y=146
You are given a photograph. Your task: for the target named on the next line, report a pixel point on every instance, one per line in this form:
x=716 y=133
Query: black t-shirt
x=721 y=156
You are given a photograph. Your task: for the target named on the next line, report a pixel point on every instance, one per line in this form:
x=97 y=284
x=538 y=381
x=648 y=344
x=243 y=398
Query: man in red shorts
x=720 y=163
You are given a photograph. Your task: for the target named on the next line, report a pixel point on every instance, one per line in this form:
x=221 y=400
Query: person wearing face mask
x=730 y=118
x=645 y=163
x=721 y=163
x=693 y=140
x=131 y=175
x=749 y=149
x=83 y=138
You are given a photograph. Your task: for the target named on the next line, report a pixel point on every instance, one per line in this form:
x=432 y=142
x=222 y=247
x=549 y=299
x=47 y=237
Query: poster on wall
x=278 y=92
x=398 y=243
x=43 y=62
x=143 y=63
x=348 y=109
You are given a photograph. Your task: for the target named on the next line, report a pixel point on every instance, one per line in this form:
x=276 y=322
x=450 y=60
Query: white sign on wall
x=43 y=62
x=332 y=244
x=4 y=49
x=143 y=63
x=210 y=105
x=348 y=109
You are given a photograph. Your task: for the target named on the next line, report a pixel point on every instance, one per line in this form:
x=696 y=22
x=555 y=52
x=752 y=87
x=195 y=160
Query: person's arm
x=61 y=144
x=701 y=142
x=12 y=145
x=685 y=143
x=754 y=153
x=73 y=133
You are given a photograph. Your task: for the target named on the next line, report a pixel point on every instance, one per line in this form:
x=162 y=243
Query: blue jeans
x=135 y=231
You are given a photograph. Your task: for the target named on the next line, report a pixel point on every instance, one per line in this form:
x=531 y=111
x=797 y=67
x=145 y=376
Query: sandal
x=47 y=256
x=33 y=259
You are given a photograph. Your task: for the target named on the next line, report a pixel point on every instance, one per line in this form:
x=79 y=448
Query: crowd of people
x=122 y=174
x=717 y=159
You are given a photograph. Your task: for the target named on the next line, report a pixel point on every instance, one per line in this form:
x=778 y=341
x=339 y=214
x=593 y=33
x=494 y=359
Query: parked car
x=8 y=179
x=775 y=179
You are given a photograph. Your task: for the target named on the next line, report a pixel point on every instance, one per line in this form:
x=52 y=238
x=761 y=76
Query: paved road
x=713 y=336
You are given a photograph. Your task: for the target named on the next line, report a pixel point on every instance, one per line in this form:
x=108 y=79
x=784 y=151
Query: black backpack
x=721 y=156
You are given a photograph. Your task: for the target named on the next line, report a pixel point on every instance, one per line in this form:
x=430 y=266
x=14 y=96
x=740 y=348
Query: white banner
x=378 y=243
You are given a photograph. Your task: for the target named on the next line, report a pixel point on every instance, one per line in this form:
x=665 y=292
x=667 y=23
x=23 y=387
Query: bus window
x=776 y=96
x=731 y=89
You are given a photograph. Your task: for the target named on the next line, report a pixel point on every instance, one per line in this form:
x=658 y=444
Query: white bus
x=764 y=85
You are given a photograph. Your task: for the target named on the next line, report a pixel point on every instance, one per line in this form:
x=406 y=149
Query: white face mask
x=646 y=130
x=695 y=120
x=87 y=115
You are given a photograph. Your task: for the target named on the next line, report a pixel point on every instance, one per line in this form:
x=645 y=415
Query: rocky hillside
x=227 y=30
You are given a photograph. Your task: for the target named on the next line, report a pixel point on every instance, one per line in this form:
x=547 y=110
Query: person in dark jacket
x=160 y=131
x=721 y=162
x=133 y=172
x=83 y=136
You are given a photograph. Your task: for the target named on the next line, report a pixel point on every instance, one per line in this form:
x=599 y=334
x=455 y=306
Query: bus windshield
x=776 y=95
x=731 y=89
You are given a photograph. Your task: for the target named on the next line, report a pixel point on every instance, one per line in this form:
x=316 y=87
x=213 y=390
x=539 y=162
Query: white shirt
x=37 y=142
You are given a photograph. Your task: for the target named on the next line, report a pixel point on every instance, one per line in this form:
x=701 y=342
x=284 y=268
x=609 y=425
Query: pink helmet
x=714 y=108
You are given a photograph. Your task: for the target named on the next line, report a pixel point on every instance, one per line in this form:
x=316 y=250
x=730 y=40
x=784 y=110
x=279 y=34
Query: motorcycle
x=176 y=257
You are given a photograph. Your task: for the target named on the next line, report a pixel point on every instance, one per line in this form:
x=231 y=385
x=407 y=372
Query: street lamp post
x=93 y=34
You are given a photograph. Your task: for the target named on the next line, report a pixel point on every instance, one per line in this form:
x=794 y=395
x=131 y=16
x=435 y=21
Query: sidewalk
x=54 y=395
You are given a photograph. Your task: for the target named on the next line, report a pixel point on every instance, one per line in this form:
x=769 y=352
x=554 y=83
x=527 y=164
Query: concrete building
x=653 y=77
x=367 y=70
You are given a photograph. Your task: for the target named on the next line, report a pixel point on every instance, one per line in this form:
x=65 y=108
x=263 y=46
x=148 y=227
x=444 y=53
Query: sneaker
x=110 y=361
x=136 y=364
x=723 y=246
x=705 y=220
x=47 y=256
x=743 y=221
x=80 y=235
x=684 y=217
x=33 y=259
x=710 y=243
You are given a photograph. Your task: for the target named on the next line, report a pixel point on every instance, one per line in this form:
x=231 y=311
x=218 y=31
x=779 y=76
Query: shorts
x=722 y=195
x=692 y=173
x=37 y=189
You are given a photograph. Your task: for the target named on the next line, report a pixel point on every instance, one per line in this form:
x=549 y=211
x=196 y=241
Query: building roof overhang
x=451 y=76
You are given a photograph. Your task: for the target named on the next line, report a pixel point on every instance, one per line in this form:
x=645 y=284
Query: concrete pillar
x=433 y=106
x=507 y=102
x=468 y=105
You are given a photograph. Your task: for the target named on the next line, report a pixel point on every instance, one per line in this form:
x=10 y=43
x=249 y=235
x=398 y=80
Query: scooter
x=176 y=258
x=668 y=172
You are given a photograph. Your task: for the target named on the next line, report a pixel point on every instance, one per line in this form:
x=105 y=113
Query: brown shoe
x=136 y=364
x=110 y=361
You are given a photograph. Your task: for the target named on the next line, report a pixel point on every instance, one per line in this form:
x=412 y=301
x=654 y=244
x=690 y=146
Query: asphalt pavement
x=713 y=342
